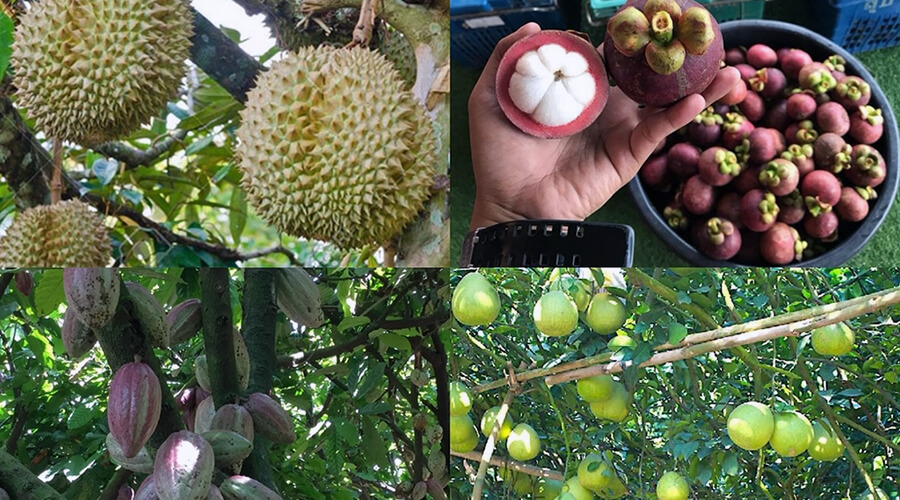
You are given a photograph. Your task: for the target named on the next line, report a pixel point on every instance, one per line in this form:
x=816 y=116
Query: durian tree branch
x=222 y=59
x=21 y=483
x=165 y=236
x=24 y=163
x=134 y=157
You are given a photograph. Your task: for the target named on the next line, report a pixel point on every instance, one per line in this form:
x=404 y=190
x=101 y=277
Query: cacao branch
x=21 y=483
x=218 y=334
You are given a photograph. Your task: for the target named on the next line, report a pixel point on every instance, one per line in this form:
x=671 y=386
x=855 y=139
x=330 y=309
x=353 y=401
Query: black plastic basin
x=852 y=237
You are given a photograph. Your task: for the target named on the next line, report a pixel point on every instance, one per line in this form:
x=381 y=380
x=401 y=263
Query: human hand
x=518 y=176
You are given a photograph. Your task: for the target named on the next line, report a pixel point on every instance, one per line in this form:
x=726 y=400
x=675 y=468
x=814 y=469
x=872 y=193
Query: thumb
x=484 y=88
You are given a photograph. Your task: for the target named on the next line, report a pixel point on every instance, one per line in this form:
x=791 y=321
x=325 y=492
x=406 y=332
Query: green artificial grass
x=650 y=251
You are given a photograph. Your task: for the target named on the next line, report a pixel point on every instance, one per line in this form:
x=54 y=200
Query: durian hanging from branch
x=90 y=71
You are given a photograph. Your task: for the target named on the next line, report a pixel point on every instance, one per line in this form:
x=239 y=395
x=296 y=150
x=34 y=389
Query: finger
x=655 y=128
x=484 y=88
x=725 y=80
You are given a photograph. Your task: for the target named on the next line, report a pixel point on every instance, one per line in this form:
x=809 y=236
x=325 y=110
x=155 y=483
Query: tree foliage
x=360 y=388
x=679 y=409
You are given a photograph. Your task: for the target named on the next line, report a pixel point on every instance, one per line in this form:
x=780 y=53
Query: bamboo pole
x=531 y=470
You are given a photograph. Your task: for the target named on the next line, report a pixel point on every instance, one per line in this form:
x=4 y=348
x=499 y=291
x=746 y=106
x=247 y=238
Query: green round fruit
x=595 y=389
x=672 y=486
x=567 y=496
x=523 y=443
x=461 y=428
x=576 y=490
x=548 y=489
x=614 y=408
x=792 y=435
x=460 y=399
x=833 y=340
x=825 y=446
x=524 y=484
x=475 y=302
x=595 y=473
x=616 y=489
x=487 y=423
x=467 y=445
x=555 y=314
x=576 y=289
x=750 y=425
x=619 y=341
x=605 y=313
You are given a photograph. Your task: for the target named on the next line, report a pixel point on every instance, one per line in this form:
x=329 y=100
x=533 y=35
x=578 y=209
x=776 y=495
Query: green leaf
x=6 y=40
x=375 y=408
x=238 y=218
x=373 y=445
x=730 y=466
x=81 y=415
x=353 y=322
x=348 y=432
x=677 y=333
x=105 y=170
x=374 y=375
x=49 y=294
x=396 y=341
x=198 y=145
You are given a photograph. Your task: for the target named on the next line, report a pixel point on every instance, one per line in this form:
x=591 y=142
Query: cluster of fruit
x=768 y=173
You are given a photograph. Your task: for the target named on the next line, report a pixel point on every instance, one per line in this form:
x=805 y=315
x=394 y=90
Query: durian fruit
x=91 y=71
x=68 y=234
x=333 y=148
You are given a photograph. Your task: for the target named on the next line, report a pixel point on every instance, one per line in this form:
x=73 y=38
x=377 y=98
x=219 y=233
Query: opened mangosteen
x=552 y=84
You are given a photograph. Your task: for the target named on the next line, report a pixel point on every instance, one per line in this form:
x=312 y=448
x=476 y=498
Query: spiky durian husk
x=90 y=71
x=333 y=148
x=68 y=234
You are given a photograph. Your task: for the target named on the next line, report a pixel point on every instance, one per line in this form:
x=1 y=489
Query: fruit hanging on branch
x=605 y=313
x=552 y=84
x=672 y=486
x=333 y=147
x=184 y=321
x=523 y=443
x=792 y=434
x=298 y=297
x=270 y=420
x=833 y=340
x=77 y=338
x=135 y=403
x=91 y=72
x=659 y=51
x=750 y=425
x=184 y=467
x=149 y=313
x=475 y=302
x=67 y=234
x=489 y=419
x=555 y=314
x=825 y=446
x=245 y=488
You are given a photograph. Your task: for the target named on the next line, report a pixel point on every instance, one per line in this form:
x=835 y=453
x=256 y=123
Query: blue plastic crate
x=860 y=25
x=473 y=36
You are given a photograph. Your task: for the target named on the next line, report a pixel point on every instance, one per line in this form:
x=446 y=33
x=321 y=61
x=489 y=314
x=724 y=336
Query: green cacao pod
x=228 y=447
x=141 y=463
x=214 y=493
x=77 y=338
x=149 y=313
x=203 y=417
x=184 y=321
x=93 y=292
x=235 y=418
x=298 y=296
x=135 y=400
x=270 y=420
x=241 y=363
x=245 y=488
x=184 y=466
x=147 y=490
x=201 y=371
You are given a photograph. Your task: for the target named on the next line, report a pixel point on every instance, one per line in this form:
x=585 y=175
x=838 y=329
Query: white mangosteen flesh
x=552 y=85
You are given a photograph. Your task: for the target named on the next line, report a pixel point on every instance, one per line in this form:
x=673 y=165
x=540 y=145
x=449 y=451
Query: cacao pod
x=184 y=321
x=141 y=463
x=93 y=292
x=184 y=399
x=125 y=493
x=135 y=400
x=201 y=371
x=3 y=494
x=245 y=488
x=298 y=296
x=269 y=419
x=77 y=338
x=183 y=469
x=235 y=418
x=24 y=283
x=228 y=447
x=147 y=490
x=203 y=417
x=241 y=360
x=435 y=489
x=214 y=493
x=149 y=313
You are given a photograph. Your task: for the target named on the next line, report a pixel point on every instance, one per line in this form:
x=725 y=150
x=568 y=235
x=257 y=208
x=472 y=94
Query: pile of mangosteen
x=766 y=174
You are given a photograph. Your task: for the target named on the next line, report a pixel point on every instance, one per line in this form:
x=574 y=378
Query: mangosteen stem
x=662 y=27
